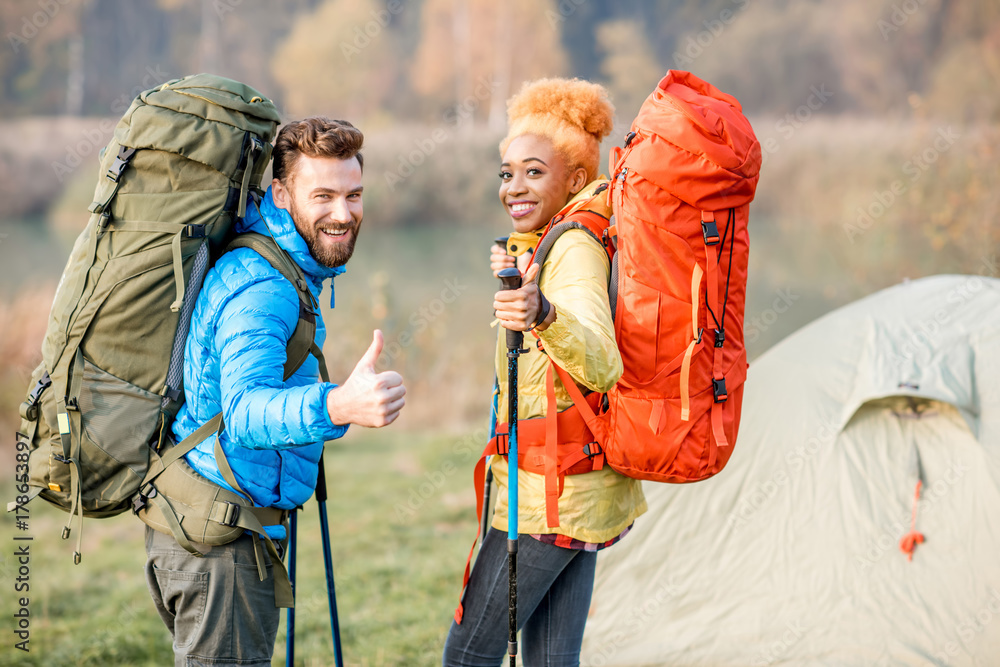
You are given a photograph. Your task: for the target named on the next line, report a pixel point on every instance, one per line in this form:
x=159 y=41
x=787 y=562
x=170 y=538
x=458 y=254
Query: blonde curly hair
x=575 y=115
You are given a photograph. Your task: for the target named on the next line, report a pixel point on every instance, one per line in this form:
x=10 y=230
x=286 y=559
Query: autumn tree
x=340 y=60
x=36 y=59
x=474 y=54
x=630 y=65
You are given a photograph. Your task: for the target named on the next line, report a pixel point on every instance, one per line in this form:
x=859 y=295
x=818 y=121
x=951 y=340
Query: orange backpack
x=680 y=197
x=680 y=193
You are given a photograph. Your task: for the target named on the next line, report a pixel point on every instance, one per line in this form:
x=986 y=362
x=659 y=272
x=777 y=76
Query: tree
x=473 y=54
x=34 y=71
x=629 y=65
x=340 y=60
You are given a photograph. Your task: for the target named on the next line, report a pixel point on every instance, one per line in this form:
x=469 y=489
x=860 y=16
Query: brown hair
x=574 y=115
x=315 y=137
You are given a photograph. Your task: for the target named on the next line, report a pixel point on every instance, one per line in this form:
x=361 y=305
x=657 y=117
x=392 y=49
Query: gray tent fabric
x=791 y=555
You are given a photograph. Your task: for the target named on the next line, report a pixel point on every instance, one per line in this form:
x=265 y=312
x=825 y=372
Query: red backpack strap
x=594 y=224
x=556 y=469
x=592 y=450
x=552 y=479
x=595 y=425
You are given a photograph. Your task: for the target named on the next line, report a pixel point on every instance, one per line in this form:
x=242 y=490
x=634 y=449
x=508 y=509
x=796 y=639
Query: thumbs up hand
x=368 y=398
x=519 y=309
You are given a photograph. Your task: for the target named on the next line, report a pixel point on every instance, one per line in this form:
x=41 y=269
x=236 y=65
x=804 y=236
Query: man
x=216 y=607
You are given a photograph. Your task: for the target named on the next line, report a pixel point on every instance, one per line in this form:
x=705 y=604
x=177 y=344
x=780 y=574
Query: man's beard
x=334 y=256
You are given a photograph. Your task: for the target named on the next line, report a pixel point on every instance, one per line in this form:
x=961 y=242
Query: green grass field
x=401 y=519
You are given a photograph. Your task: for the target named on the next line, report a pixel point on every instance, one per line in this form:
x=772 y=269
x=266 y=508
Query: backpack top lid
x=171 y=117
x=694 y=142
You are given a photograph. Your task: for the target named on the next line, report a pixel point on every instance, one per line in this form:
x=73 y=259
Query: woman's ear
x=577 y=180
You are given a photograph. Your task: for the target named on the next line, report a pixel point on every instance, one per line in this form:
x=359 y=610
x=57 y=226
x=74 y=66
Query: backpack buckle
x=230 y=517
x=104 y=221
x=29 y=409
x=610 y=236
x=720 y=337
x=710 y=232
x=591 y=452
x=141 y=499
x=121 y=161
x=719 y=389
x=502 y=444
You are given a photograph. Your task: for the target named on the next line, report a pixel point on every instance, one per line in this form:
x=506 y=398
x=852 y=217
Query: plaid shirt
x=567 y=542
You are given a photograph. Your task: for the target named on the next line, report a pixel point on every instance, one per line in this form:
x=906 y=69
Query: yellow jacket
x=596 y=506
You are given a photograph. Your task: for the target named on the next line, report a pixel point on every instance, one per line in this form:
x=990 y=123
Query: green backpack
x=97 y=418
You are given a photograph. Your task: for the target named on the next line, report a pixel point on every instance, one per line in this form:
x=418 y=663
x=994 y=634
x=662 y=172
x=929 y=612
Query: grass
x=398 y=566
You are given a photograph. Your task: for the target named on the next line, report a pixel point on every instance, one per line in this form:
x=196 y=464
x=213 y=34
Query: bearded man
x=216 y=607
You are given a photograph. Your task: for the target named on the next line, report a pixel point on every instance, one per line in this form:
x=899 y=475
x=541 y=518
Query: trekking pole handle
x=510 y=278
x=502 y=242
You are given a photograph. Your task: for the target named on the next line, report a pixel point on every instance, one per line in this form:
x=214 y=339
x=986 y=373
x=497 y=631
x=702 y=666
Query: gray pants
x=216 y=608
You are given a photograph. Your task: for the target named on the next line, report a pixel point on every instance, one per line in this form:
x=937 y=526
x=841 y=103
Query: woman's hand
x=499 y=259
x=519 y=309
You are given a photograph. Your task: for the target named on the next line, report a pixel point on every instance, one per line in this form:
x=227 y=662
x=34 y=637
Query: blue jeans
x=554 y=586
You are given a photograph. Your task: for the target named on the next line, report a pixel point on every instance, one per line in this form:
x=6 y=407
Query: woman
x=549 y=157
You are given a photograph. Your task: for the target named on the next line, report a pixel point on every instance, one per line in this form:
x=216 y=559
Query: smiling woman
x=548 y=174
x=535 y=182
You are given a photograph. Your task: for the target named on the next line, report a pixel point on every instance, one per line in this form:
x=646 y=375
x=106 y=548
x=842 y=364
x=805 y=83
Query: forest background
x=880 y=128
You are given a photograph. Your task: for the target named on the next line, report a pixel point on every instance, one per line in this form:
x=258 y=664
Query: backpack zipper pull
x=621 y=187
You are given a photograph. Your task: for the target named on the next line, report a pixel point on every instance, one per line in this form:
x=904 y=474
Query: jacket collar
x=269 y=220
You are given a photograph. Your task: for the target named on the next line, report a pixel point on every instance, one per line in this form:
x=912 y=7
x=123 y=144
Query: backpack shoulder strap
x=588 y=211
x=556 y=230
x=301 y=343
x=303 y=339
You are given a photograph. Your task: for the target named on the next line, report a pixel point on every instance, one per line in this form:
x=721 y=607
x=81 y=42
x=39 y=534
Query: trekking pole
x=488 y=483
x=331 y=593
x=290 y=642
x=511 y=279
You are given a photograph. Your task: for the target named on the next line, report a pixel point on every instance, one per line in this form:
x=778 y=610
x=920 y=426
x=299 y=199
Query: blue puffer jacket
x=233 y=362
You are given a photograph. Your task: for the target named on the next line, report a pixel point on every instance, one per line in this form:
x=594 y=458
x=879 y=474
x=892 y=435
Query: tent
x=792 y=554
